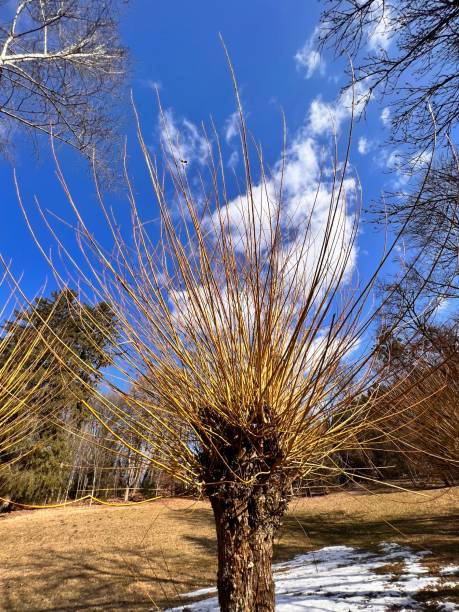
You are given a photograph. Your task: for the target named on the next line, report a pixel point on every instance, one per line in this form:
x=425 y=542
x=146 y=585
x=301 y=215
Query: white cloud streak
x=232 y=127
x=385 y=116
x=308 y=59
x=380 y=32
x=182 y=139
x=363 y=145
x=307 y=199
x=233 y=160
x=327 y=117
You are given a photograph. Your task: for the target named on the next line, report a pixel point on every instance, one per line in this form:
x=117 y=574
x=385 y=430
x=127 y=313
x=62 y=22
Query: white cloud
x=307 y=199
x=363 y=145
x=403 y=168
x=444 y=308
x=420 y=160
x=151 y=84
x=394 y=160
x=311 y=61
x=233 y=160
x=327 y=117
x=308 y=59
x=182 y=139
x=316 y=216
x=232 y=127
x=400 y=171
x=385 y=116
x=380 y=31
x=322 y=117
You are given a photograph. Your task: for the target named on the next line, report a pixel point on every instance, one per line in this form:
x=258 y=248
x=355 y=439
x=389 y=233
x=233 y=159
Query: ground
x=145 y=557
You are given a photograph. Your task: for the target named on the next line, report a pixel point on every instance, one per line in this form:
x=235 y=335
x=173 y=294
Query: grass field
x=143 y=557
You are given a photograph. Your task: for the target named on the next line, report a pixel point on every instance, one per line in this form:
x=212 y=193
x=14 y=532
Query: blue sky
x=176 y=46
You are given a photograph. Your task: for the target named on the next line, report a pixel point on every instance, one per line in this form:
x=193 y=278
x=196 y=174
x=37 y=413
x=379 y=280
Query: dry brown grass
x=99 y=558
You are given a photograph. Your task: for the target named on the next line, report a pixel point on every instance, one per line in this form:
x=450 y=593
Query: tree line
x=68 y=454
x=65 y=453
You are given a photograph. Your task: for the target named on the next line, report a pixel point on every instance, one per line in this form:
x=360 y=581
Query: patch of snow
x=199 y=593
x=449 y=584
x=447 y=606
x=343 y=579
x=449 y=570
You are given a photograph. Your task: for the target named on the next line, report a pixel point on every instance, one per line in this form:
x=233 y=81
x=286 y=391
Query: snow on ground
x=343 y=579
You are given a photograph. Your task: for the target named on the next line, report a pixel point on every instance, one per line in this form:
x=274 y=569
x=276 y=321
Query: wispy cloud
x=232 y=127
x=307 y=195
x=404 y=169
x=380 y=31
x=327 y=117
x=385 y=116
x=420 y=160
x=364 y=145
x=308 y=59
x=182 y=139
x=299 y=192
x=233 y=160
x=400 y=171
x=151 y=84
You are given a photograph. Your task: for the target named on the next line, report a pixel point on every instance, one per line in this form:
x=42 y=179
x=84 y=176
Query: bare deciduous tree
x=59 y=60
x=409 y=51
x=431 y=224
x=430 y=360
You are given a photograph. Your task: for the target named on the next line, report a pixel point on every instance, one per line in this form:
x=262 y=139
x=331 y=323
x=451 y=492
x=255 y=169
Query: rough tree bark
x=249 y=492
x=245 y=530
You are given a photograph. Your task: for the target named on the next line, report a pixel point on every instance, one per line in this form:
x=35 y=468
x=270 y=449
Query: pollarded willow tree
x=243 y=329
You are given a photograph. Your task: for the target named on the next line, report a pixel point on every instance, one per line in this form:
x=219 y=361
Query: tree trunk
x=248 y=490
x=245 y=531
